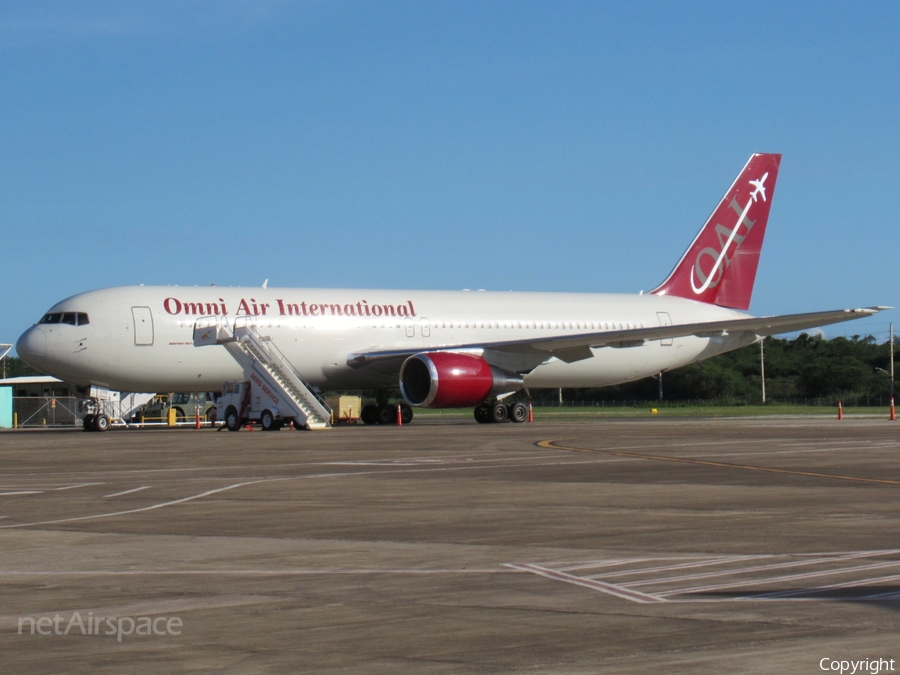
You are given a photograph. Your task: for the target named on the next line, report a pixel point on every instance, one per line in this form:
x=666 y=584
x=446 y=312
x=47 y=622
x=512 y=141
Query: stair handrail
x=245 y=328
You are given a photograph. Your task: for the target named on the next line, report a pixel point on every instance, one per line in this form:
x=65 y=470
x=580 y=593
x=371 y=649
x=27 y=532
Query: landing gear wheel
x=232 y=422
x=518 y=412
x=499 y=412
x=268 y=422
x=387 y=414
x=88 y=424
x=369 y=414
x=482 y=414
x=101 y=422
x=406 y=413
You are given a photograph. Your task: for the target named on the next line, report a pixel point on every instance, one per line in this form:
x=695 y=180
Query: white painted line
x=594 y=564
x=788 y=577
x=126 y=492
x=746 y=570
x=611 y=589
x=688 y=565
x=829 y=587
x=72 y=487
x=252 y=572
x=21 y=492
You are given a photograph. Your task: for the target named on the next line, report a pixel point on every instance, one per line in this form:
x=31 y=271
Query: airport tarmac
x=612 y=546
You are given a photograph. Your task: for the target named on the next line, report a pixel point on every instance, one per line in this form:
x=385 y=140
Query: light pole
x=891 y=372
x=762 y=367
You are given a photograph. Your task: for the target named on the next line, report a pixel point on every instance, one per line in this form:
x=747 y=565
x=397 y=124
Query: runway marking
x=593 y=584
x=786 y=577
x=139 y=510
x=21 y=492
x=126 y=492
x=681 y=566
x=750 y=570
x=234 y=486
x=832 y=587
x=694 y=593
x=72 y=487
x=253 y=572
x=722 y=465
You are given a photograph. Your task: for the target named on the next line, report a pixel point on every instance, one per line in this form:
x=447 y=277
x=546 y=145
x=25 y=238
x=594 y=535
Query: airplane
x=760 y=186
x=436 y=348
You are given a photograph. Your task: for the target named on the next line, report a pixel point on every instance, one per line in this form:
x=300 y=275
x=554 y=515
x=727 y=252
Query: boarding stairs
x=258 y=354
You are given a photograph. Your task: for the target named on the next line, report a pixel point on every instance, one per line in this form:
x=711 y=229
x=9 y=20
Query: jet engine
x=453 y=380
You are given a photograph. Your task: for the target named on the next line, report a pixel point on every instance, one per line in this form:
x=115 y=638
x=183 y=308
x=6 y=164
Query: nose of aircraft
x=32 y=347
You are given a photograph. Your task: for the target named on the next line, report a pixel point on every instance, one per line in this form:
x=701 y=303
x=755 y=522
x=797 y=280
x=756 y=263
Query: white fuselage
x=140 y=338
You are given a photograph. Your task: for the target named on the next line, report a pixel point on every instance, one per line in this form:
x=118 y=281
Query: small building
x=37 y=400
x=38 y=385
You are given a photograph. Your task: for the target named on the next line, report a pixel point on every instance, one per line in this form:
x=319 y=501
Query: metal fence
x=47 y=411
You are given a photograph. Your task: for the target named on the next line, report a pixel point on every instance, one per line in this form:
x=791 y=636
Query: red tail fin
x=720 y=265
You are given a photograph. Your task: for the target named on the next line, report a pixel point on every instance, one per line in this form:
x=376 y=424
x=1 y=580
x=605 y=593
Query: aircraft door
x=143 y=326
x=665 y=320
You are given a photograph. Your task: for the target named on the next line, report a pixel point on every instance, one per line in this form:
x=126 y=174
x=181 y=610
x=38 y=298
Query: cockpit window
x=71 y=318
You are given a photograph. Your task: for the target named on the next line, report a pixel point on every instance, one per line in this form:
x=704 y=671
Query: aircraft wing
x=759 y=326
x=572 y=348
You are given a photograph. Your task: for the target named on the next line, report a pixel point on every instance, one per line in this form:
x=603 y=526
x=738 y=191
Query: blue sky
x=562 y=146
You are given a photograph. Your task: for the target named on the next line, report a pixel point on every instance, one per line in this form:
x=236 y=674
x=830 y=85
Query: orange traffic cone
x=893 y=411
x=840 y=410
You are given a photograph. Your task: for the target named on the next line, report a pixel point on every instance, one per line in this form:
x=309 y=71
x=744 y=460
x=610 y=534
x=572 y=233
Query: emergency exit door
x=143 y=326
x=665 y=320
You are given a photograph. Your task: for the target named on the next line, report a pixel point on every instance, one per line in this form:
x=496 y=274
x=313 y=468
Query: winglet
x=720 y=265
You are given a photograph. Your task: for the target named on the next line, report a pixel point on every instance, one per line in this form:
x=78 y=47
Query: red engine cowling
x=452 y=380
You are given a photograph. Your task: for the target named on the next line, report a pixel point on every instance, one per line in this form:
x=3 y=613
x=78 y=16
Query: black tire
x=268 y=422
x=499 y=413
x=387 y=414
x=232 y=422
x=299 y=427
x=518 y=412
x=101 y=422
x=179 y=415
x=406 y=413
x=88 y=424
x=369 y=414
x=482 y=414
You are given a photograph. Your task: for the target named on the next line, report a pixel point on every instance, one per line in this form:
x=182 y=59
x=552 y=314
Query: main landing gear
x=501 y=412
x=386 y=413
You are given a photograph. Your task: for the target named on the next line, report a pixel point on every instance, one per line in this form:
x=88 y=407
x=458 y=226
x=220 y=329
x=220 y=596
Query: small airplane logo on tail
x=760 y=188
